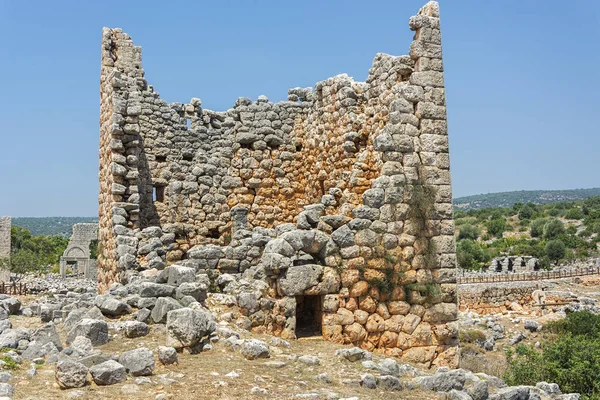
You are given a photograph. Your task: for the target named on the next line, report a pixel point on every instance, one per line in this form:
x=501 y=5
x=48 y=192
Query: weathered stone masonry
x=5 y=243
x=342 y=192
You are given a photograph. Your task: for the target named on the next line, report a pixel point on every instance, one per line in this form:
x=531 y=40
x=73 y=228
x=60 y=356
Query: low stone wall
x=485 y=298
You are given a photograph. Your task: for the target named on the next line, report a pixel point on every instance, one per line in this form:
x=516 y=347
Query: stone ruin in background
x=516 y=264
x=77 y=253
x=338 y=200
x=5 y=225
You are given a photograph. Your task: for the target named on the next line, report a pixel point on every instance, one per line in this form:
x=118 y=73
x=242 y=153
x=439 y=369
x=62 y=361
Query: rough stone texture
x=93 y=329
x=344 y=190
x=138 y=362
x=108 y=373
x=167 y=355
x=5 y=225
x=70 y=374
x=252 y=349
x=186 y=327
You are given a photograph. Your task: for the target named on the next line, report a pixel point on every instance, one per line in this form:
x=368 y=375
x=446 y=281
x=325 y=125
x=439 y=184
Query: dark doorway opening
x=308 y=316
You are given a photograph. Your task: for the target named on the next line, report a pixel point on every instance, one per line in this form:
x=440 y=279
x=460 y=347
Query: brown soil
x=202 y=376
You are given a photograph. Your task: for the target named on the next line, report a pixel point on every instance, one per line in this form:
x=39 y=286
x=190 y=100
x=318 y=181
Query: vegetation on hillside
x=553 y=233
x=569 y=356
x=507 y=199
x=50 y=226
x=31 y=253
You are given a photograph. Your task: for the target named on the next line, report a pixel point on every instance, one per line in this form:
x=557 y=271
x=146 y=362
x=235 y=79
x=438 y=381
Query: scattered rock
x=253 y=348
x=167 y=355
x=108 y=373
x=70 y=374
x=138 y=362
x=354 y=354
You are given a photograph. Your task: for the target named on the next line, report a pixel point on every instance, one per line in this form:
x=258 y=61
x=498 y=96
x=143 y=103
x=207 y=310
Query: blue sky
x=521 y=77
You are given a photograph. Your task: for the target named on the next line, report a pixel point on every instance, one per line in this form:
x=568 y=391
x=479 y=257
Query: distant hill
x=50 y=225
x=507 y=199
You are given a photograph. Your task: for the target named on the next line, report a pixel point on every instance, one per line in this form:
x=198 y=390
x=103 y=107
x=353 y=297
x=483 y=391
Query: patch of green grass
x=11 y=364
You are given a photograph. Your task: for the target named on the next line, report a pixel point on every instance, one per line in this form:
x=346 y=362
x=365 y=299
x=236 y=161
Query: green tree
x=526 y=212
x=555 y=250
x=496 y=226
x=537 y=227
x=574 y=213
x=470 y=255
x=570 y=357
x=553 y=229
x=469 y=231
x=33 y=253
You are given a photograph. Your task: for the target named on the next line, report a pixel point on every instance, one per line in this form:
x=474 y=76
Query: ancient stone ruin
x=332 y=211
x=516 y=264
x=5 y=225
x=77 y=253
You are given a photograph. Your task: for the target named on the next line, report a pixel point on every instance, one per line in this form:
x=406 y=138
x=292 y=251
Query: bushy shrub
x=526 y=212
x=469 y=232
x=555 y=250
x=33 y=253
x=553 y=229
x=570 y=357
x=470 y=255
x=496 y=227
x=574 y=213
x=537 y=227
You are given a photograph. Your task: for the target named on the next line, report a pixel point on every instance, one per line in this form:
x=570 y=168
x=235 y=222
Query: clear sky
x=522 y=80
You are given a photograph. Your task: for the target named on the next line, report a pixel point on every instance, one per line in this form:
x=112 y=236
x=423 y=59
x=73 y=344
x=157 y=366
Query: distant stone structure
x=338 y=200
x=78 y=251
x=5 y=243
x=516 y=264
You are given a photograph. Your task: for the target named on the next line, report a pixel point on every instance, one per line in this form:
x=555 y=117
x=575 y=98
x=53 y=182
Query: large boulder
x=162 y=307
x=195 y=289
x=111 y=306
x=138 y=362
x=176 y=275
x=511 y=393
x=167 y=355
x=133 y=329
x=35 y=350
x=108 y=373
x=82 y=346
x=70 y=374
x=354 y=354
x=93 y=329
x=186 y=327
x=12 y=305
x=444 y=380
x=297 y=279
x=151 y=289
x=11 y=337
x=47 y=334
x=252 y=349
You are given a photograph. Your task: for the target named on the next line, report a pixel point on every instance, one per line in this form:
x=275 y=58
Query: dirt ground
x=203 y=376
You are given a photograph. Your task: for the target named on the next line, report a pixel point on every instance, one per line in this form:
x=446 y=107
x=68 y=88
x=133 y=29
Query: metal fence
x=530 y=276
x=13 y=288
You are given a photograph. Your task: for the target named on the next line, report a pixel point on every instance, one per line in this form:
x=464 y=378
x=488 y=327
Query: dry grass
x=202 y=376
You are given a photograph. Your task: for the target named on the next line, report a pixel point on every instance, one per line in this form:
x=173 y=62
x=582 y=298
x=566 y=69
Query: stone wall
x=5 y=225
x=489 y=298
x=343 y=191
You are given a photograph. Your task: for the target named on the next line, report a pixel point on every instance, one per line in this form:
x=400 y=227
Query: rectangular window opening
x=158 y=194
x=161 y=158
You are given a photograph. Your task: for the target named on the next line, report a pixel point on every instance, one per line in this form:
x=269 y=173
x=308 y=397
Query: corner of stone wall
x=121 y=80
